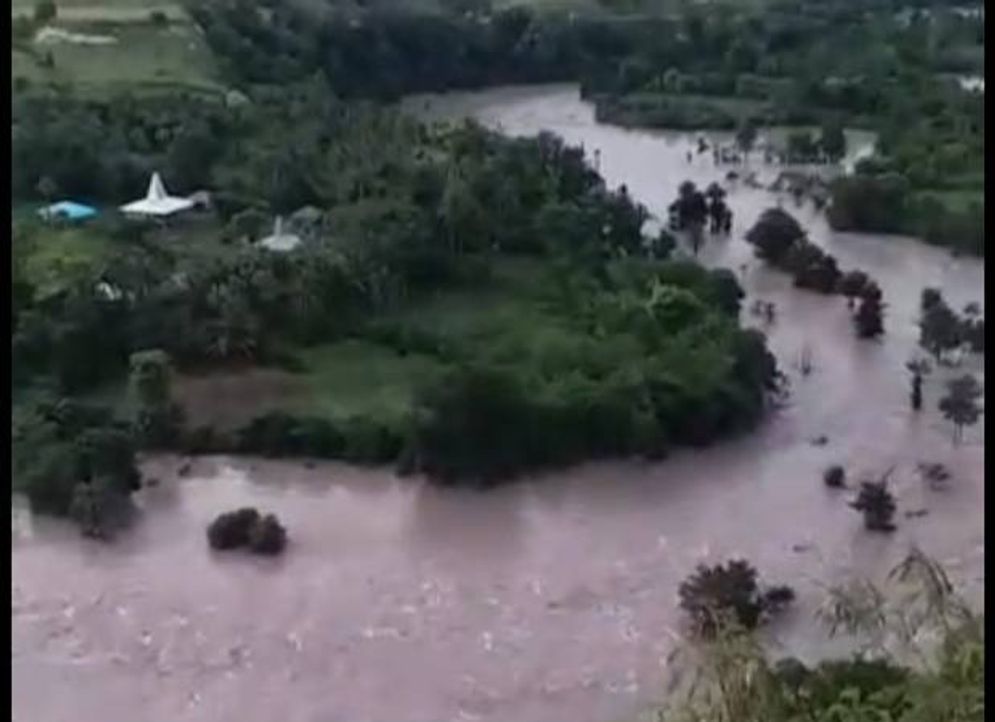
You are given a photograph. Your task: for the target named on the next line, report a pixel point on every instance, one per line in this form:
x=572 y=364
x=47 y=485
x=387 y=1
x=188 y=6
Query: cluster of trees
x=692 y=209
x=942 y=330
x=887 y=202
x=74 y=459
x=780 y=240
x=384 y=52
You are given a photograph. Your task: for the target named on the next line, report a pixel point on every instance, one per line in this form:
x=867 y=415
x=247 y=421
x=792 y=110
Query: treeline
x=780 y=240
x=864 y=65
x=880 y=201
x=384 y=53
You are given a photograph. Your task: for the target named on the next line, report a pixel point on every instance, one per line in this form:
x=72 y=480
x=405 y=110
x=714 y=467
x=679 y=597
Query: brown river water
x=551 y=599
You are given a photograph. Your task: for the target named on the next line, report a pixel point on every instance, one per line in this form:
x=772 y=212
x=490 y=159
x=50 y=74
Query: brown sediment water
x=551 y=599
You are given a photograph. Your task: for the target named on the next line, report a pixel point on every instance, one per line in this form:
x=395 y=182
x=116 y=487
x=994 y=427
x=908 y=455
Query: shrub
x=232 y=529
x=877 y=505
x=834 y=476
x=774 y=234
x=369 y=441
x=280 y=434
x=267 y=536
x=712 y=593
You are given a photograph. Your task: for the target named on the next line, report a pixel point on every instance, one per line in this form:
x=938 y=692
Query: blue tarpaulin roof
x=68 y=209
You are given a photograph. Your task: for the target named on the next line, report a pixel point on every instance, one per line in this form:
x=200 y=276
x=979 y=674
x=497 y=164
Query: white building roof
x=157 y=201
x=278 y=240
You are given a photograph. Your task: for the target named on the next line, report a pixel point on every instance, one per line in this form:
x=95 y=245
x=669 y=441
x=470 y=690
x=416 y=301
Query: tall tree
x=939 y=329
x=960 y=405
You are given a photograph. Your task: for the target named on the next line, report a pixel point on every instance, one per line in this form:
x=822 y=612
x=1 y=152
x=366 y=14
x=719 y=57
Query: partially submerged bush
x=834 y=476
x=267 y=536
x=730 y=591
x=246 y=528
x=232 y=529
x=877 y=505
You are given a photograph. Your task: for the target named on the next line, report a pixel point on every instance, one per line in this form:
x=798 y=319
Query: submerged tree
x=939 y=328
x=834 y=476
x=877 y=505
x=729 y=590
x=960 y=405
x=775 y=234
x=869 y=319
x=691 y=211
x=852 y=285
x=918 y=368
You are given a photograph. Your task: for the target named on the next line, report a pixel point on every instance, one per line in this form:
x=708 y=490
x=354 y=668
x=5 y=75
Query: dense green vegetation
x=512 y=298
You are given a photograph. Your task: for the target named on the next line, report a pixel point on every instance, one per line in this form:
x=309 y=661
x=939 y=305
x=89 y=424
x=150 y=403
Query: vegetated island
x=461 y=304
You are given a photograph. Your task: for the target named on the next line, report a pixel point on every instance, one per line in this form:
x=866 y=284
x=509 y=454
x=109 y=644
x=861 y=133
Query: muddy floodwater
x=551 y=599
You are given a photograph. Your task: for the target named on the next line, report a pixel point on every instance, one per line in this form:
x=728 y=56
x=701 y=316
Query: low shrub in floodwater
x=267 y=536
x=834 y=476
x=247 y=528
x=232 y=529
x=730 y=591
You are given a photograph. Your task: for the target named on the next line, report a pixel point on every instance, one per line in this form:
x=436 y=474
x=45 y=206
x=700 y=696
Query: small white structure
x=157 y=203
x=279 y=240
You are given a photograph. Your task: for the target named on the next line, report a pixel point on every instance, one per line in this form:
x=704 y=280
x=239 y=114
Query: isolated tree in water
x=692 y=212
x=960 y=405
x=929 y=298
x=869 y=319
x=774 y=234
x=939 y=328
x=718 y=212
x=877 y=505
x=852 y=285
x=918 y=368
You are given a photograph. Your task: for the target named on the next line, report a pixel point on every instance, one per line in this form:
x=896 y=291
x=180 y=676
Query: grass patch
x=957 y=201
x=357 y=378
x=58 y=257
x=144 y=56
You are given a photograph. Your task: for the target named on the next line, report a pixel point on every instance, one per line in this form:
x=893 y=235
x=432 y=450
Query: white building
x=157 y=202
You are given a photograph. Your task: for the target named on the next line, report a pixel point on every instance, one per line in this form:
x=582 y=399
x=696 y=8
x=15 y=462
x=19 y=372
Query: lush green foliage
x=69 y=457
x=610 y=349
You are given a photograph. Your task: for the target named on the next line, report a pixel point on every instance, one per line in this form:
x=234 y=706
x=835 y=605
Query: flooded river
x=551 y=599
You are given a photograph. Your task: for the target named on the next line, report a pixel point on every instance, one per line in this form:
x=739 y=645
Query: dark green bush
x=232 y=529
x=267 y=536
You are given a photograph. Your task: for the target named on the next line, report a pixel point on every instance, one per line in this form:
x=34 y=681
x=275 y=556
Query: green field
x=358 y=378
x=56 y=257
